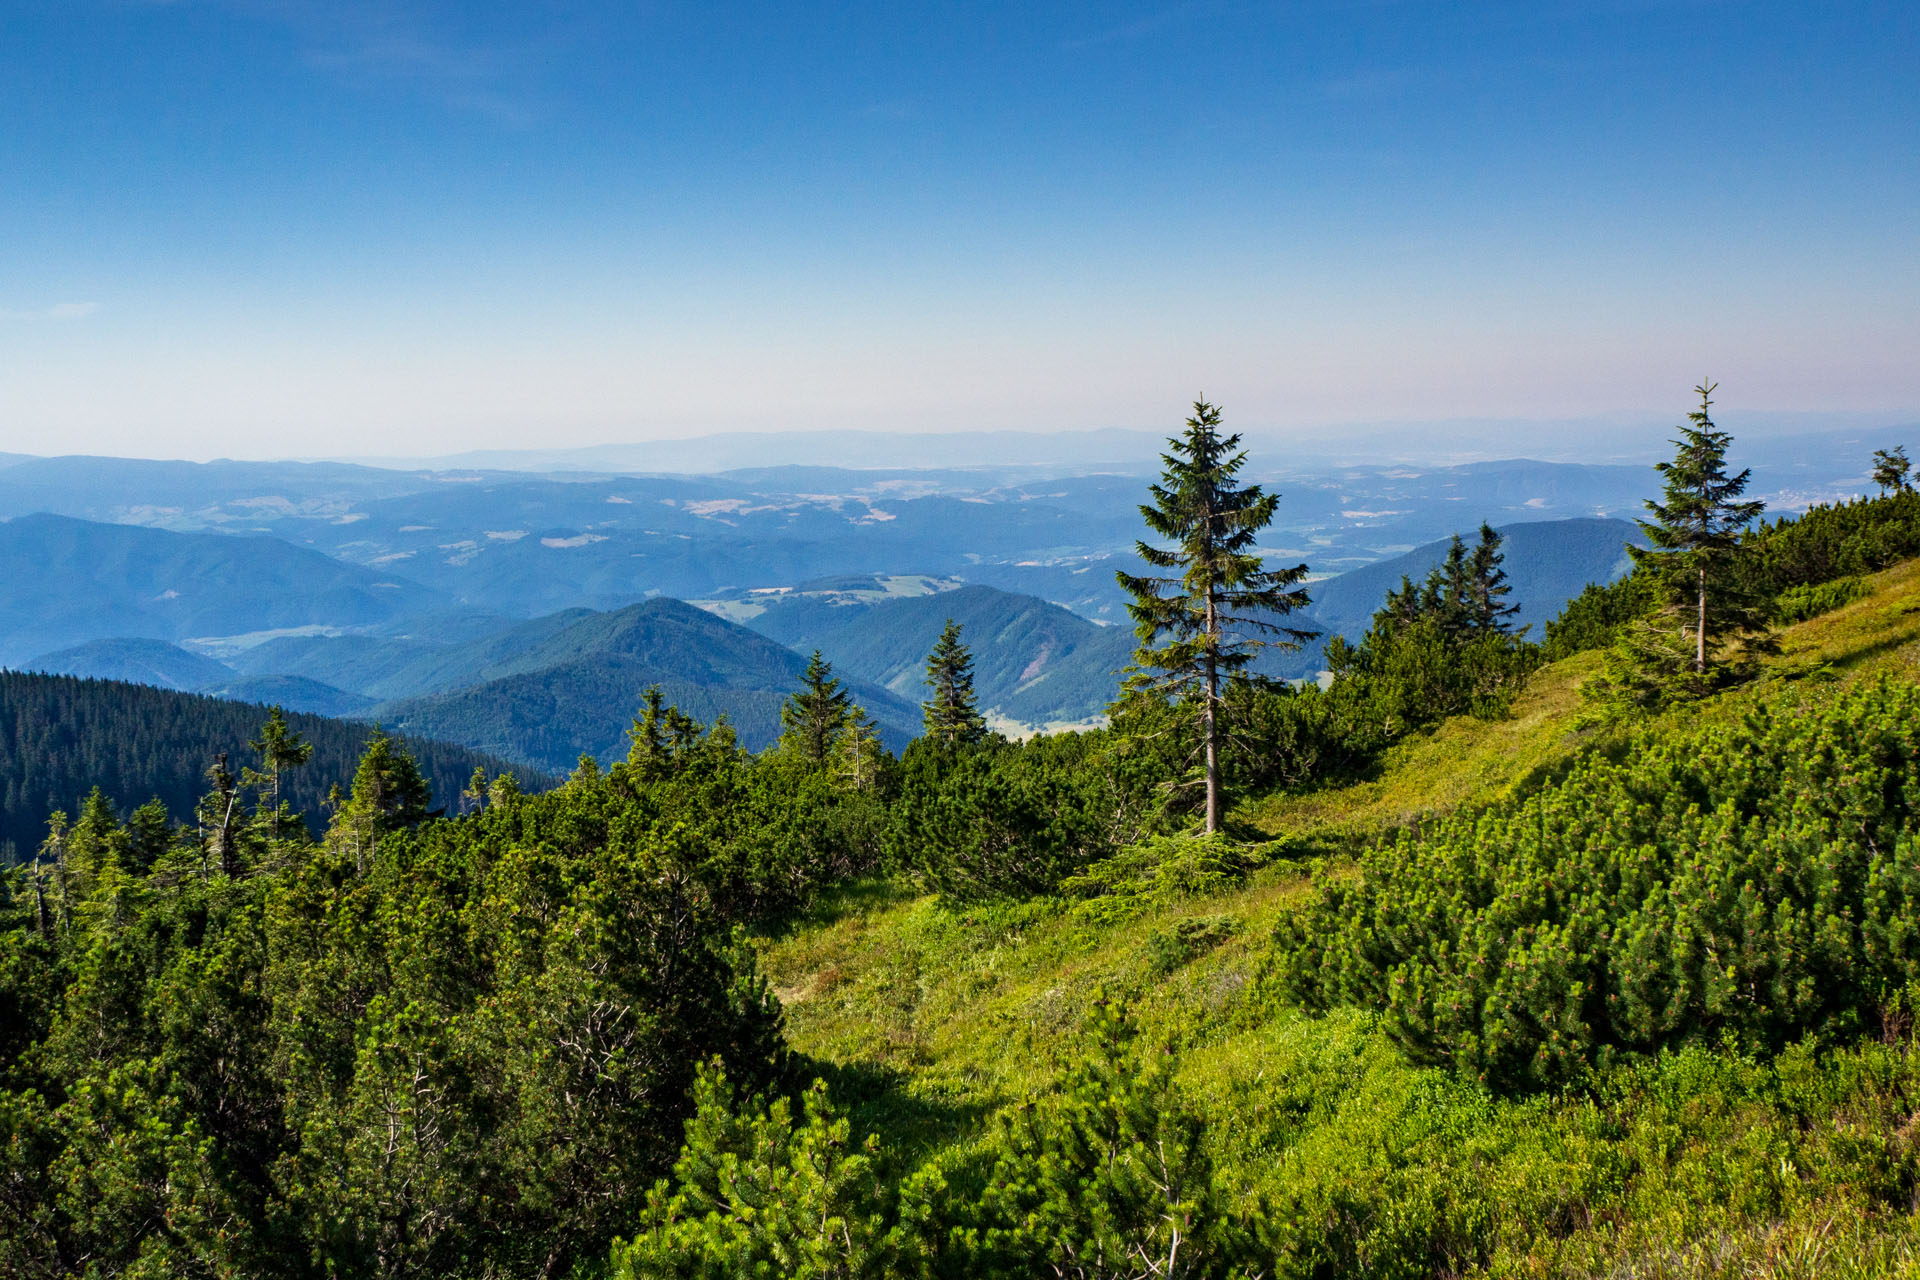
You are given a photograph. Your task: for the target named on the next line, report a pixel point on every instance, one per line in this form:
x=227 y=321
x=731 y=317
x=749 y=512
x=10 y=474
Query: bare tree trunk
x=1210 y=722
x=1700 y=654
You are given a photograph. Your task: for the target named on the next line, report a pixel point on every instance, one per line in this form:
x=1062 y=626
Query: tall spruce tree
x=1487 y=589
x=951 y=716
x=1695 y=536
x=1200 y=629
x=281 y=749
x=815 y=714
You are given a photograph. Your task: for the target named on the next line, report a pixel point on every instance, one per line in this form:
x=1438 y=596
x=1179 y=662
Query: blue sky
x=273 y=227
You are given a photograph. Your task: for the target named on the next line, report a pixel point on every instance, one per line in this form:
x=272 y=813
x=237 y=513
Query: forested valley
x=1593 y=956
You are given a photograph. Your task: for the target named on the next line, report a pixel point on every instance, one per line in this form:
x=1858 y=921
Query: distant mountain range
x=473 y=547
x=292 y=693
x=545 y=690
x=1614 y=437
x=135 y=660
x=525 y=614
x=1035 y=664
x=64 y=582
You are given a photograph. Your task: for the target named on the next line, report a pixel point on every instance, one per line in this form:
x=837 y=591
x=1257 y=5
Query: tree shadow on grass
x=882 y=1100
x=863 y=896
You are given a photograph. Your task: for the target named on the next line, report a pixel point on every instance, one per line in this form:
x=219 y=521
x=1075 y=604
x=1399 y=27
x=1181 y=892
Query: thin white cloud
x=366 y=42
x=58 y=311
x=1139 y=28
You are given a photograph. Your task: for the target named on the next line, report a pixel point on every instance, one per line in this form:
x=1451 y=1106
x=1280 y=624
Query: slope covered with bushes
x=1516 y=991
x=1759 y=880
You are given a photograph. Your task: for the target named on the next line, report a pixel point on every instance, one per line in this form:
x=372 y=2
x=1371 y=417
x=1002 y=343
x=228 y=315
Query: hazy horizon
x=1622 y=438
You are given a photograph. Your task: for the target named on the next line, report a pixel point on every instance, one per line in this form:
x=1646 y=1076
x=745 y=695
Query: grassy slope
x=928 y=1018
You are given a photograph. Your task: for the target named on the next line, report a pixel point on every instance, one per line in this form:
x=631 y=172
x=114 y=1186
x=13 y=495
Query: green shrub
x=1178 y=943
x=1011 y=819
x=1800 y=603
x=761 y=1192
x=1106 y=1176
x=1160 y=872
x=1761 y=880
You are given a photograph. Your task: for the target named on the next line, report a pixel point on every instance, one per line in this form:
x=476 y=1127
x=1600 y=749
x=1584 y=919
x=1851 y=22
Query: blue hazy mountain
x=137 y=661
x=1035 y=663
x=64 y=582
x=577 y=689
x=359 y=663
x=295 y=693
x=238 y=496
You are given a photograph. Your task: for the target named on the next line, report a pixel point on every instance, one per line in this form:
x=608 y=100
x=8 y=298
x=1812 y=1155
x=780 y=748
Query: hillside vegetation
x=1481 y=975
x=1707 y=1161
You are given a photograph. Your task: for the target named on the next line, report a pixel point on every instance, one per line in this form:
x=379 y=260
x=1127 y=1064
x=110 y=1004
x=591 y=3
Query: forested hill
x=61 y=736
x=577 y=689
x=1034 y=662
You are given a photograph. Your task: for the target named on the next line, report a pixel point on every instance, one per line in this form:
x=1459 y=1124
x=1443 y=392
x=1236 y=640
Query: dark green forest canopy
x=60 y=737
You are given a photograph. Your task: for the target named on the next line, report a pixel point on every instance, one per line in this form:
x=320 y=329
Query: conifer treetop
x=816 y=712
x=1224 y=585
x=951 y=714
x=1891 y=468
x=1701 y=512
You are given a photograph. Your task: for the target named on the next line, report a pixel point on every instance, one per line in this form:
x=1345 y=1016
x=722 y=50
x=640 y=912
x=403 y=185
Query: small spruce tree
x=1200 y=629
x=661 y=736
x=815 y=714
x=473 y=798
x=280 y=748
x=219 y=814
x=951 y=716
x=149 y=836
x=1890 y=469
x=503 y=791
x=858 y=752
x=1704 y=607
x=1487 y=589
x=388 y=794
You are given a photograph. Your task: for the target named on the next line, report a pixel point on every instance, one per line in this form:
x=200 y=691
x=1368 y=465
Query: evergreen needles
x=1200 y=629
x=950 y=715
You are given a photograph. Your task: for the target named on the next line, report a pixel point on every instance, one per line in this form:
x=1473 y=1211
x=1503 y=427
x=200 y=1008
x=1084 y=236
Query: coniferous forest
x=1595 y=953
x=64 y=737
